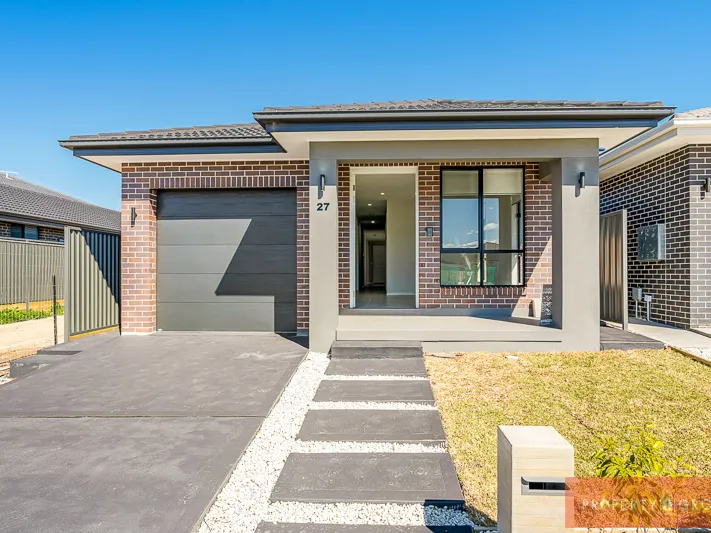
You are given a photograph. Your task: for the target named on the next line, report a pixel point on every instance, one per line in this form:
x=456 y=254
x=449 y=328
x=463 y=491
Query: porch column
x=323 y=251
x=576 y=280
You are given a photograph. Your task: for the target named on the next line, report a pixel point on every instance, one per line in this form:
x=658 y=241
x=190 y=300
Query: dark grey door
x=226 y=260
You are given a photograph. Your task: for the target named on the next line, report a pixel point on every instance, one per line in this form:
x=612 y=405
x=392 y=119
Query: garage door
x=226 y=260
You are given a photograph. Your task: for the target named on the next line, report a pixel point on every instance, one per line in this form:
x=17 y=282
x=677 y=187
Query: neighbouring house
x=464 y=225
x=32 y=212
x=662 y=178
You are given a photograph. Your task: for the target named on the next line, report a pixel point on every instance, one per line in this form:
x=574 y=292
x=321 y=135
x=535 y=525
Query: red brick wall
x=140 y=183
x=538 y=221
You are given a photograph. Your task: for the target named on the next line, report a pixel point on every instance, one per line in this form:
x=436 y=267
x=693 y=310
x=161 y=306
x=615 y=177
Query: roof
x=688 y=127
x=258 y=134
x=463 y=105
x=251 y=131
x=704 y=112
x=20 y=198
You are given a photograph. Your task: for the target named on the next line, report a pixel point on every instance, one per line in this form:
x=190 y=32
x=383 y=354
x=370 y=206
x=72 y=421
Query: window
x=17 y=231
x=32 y=232
x=482 y=227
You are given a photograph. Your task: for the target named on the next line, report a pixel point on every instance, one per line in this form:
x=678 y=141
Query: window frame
x=481 y=250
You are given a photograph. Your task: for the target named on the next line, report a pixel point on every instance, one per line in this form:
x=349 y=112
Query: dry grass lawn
x=582 y=395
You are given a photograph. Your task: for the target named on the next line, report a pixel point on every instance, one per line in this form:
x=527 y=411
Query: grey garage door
x=226 y=260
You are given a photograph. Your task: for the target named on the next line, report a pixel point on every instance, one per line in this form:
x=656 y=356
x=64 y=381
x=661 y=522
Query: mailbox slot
x=541 y=486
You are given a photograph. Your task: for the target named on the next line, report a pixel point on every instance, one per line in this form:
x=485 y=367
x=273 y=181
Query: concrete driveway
x=135 y=434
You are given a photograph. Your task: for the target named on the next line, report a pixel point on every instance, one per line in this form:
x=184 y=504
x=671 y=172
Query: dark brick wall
x=538 y=228
x=140 y=183
x=4 y=229
x=667 y=190
x=44 y=233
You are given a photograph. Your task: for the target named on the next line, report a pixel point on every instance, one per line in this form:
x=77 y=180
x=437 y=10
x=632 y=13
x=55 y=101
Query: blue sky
x=87 y=67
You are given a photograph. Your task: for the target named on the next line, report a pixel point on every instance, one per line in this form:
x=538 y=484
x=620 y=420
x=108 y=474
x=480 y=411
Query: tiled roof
x=462 y=105
x=704 y=112
x=230 y=131
x=21 y=198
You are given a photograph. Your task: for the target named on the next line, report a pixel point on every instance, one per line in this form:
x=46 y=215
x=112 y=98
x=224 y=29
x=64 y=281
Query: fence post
x=26 y=277
x=67 y=283
x=54 y=305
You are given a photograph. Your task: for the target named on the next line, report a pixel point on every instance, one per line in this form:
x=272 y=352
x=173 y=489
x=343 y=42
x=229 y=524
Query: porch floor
x=377 y=298
x=433 y=328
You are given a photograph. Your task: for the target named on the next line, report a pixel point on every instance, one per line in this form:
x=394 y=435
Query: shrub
x=15 y=314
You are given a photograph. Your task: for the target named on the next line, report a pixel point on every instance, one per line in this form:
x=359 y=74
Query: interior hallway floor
x=377 y=298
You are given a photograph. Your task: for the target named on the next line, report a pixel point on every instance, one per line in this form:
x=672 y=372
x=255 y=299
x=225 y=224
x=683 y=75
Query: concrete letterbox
x=532 y=462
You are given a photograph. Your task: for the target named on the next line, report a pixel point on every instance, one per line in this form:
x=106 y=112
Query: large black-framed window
x=482 y=226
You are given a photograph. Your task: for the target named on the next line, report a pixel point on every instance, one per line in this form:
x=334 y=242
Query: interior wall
x=400 y=251
x=368 y=237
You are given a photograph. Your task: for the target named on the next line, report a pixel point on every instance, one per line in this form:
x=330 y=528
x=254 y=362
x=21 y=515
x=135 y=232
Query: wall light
x=382 y=194
x=133 y=216
x=322 y=185
x=707 y=185
x=581 y=180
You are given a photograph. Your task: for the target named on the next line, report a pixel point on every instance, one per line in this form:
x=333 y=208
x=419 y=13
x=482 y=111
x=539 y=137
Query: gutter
x=72 y=144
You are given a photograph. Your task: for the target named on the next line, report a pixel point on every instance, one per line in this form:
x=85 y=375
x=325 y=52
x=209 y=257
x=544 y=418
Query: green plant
x=640 y=457
x=15 y=314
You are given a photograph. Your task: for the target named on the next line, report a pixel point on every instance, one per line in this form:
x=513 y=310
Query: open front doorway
x=384 y=267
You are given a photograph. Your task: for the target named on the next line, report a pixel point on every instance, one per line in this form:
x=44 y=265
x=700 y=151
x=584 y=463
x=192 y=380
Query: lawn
x=581 y=394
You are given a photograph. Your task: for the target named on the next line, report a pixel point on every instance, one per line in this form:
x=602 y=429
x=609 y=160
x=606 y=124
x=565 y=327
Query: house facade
x=662 y=177
x=466 y=225
x=32 y=212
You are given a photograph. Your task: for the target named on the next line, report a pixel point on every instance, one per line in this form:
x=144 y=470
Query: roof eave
x=651 y=113
x=73 y=144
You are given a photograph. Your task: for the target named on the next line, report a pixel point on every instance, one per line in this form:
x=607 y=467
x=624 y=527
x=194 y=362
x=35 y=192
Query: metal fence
x=31 y=296
x=27 y=272
x=613 y=268
x=92 y=278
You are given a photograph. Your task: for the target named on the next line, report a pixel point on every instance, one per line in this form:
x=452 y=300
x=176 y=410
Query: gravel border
x=388 y=406
x=242 y=502
x=390 y=514
x=338 y=377
x=301 y=446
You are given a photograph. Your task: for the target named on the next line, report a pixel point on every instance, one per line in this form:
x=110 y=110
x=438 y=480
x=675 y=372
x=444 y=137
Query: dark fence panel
x=92 y=281
x=613 y=267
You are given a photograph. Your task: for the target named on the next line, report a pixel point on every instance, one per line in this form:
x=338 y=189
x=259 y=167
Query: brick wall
x=700 y=236
x=4 y=229
x=51 y=234
x=668 y=190
x=140 y=183
x=538 y=227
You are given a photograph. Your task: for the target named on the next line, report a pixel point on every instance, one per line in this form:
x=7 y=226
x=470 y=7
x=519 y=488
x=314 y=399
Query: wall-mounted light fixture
x=581 y=180
x=707 y=185
x=322 y=185
x=133 y=216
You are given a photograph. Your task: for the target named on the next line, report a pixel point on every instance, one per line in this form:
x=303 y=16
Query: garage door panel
x=238 y=203
x=216 y=316
x=215 y=288
x=205 y=232
x=226 y=260
x=223 y=259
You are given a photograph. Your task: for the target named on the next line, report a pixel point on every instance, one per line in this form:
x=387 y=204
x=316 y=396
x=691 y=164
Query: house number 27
x=322 y=206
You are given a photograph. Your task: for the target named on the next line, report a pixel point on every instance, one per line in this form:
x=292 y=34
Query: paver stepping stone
x=369 y=477
x=266 y=527
x=372 y=426
x=405 y=366
x=418 y=391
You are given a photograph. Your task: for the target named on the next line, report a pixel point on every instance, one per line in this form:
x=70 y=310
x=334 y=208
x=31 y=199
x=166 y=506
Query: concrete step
x=389 y=366
x=266 y=527
x=374 y=350
x=362 y=425
x=408 y=391
x=369 y=477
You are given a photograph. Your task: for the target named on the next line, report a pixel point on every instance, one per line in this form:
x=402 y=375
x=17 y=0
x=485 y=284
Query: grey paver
x=372 y=426
x=266 y=527
x=369 y=477
x=160 y=375
x=404 y=366
x=375 y=349
x=418 y=391
x=114 y=474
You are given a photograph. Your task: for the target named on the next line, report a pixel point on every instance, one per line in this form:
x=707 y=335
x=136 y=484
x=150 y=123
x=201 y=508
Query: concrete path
x=134 y=434
x=355 y=474
x=669 y=335
x=23 y=338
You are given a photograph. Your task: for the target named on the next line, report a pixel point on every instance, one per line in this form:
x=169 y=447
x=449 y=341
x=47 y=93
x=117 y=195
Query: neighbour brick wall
x=4 y=229
x=51 y=234
x=538 y=228
x=140 y=184
x=668 y=190
x=700 y=236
